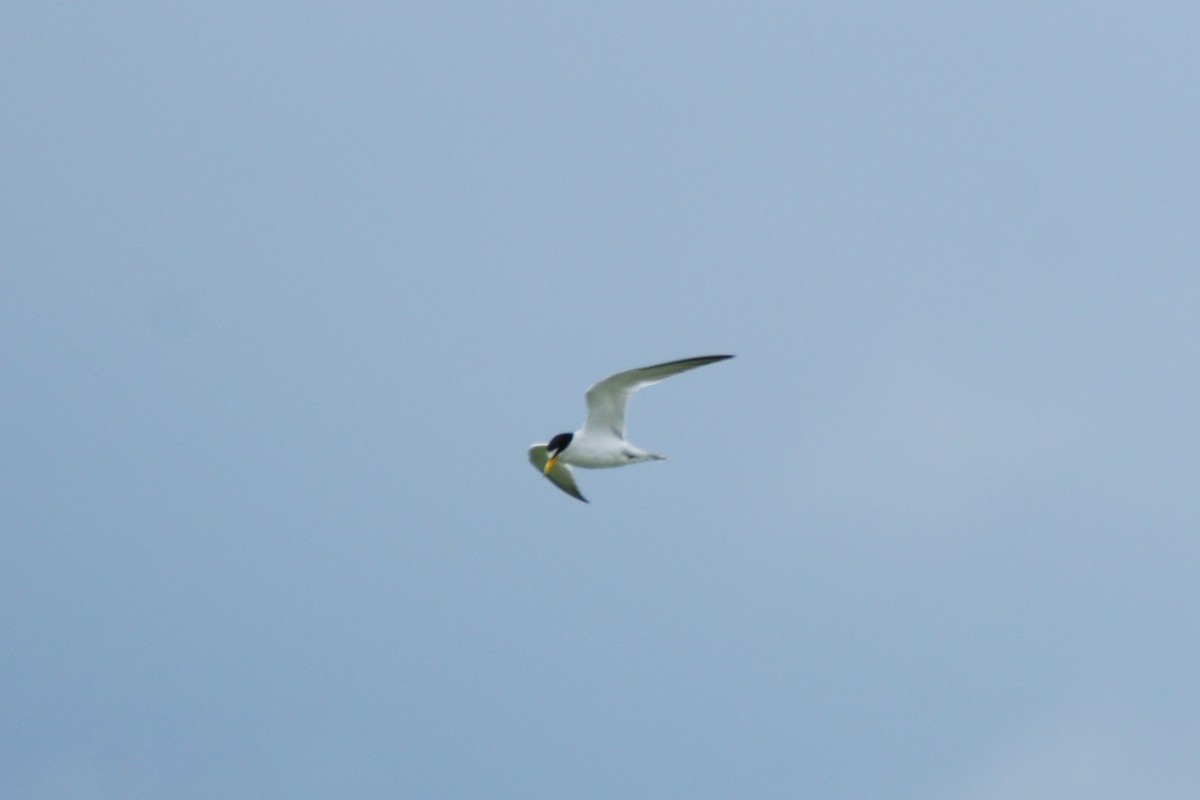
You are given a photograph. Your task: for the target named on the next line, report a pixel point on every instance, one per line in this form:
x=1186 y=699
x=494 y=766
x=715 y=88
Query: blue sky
x=287 y=291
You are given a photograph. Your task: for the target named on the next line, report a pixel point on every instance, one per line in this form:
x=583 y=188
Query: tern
x=601 y=441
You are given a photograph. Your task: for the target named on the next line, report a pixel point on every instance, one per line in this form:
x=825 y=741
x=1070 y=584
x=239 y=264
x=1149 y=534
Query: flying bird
x=601 y=441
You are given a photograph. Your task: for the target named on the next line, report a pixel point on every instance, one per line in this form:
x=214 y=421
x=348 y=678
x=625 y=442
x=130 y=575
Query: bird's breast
x=600 y=453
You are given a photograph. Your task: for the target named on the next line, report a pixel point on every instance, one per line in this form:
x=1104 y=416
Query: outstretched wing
x=606 y=399
x=560 y=474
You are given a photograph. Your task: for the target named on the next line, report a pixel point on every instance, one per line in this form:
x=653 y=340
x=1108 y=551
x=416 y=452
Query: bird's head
x=554 y=450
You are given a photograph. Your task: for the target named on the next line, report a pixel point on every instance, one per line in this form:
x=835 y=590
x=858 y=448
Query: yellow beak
x=549 y=465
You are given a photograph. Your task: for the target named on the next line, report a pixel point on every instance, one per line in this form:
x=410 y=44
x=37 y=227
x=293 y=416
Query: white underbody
x=592 y=451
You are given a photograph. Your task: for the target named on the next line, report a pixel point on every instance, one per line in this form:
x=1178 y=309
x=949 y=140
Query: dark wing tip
x=701 y=360
x=690 y=363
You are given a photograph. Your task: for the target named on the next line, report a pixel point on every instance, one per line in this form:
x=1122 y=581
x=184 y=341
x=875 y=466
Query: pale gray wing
x=606 y=399
x=560 y=475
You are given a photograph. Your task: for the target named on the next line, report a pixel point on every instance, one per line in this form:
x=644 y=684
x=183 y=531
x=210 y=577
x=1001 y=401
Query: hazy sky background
x=286 y=290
